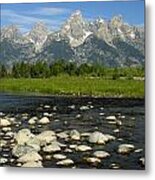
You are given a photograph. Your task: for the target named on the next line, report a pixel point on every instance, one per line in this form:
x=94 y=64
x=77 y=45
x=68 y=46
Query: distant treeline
x=42 y=69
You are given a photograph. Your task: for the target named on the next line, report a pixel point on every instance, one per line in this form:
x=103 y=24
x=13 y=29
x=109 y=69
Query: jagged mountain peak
x=39 y=26
x=117 y=21
x=38 y=34
x=11 y=32
x=111 y=42
x=76 y=14
x=76 y=29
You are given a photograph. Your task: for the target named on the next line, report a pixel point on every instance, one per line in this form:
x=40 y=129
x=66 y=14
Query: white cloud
x=52 y=11
x=26 y=19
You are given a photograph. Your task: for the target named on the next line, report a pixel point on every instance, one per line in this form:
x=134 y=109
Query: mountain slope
x=107 y=42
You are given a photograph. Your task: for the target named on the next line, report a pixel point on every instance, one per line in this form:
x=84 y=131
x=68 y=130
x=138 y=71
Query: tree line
x=42 y=69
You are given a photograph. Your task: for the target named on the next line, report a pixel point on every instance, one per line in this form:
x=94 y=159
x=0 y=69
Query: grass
x=77 y=86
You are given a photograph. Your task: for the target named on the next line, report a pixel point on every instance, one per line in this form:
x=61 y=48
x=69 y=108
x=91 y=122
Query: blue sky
x=54 y=14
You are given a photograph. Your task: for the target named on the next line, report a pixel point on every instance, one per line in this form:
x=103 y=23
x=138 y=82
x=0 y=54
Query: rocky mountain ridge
x=112 y=43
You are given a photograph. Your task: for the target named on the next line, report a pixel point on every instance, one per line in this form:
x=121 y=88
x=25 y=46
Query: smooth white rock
x=100 y=138
x=44 y=120
x=84 y=108
x=93 y=160
x=63 y=135
x=20 y=150
x=54 y=147
x=75 y=135
x=59 y=156
x=83 y=148
x=4 y=122
x=111 y=118
x=32 y=164
x=30 y=156
x=23 y=136
x=32 y=120
x=101 y=154
x=3 y=160
x=46 y=137
x=65 y=162
x=125 y=148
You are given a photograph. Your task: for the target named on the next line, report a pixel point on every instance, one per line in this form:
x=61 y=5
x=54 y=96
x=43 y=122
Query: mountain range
x=111 y=43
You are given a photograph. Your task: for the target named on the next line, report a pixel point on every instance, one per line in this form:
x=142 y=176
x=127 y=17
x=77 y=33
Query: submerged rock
x=125 y=148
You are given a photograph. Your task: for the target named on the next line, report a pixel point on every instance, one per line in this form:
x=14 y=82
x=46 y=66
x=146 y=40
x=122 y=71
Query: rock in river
x=83 y=148
x=93 y=160
x=23 y=136
x=33 y=120
x=44 y=120
x=34 y=143
x=125 y=148
x=4 y=122
x=111 y=118
x=3 y=160
x=30 y=157
x=20 y=150
x=100 y=138
x=46 y=137
x=54 y=147
x=65 y=162
x=59 y=156
x=33 y=164
x=63 y=135
x=75 y=135
x=101 y=154
x=142 y=161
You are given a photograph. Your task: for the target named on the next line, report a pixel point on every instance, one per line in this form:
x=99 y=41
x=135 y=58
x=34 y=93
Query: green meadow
x=75 y=86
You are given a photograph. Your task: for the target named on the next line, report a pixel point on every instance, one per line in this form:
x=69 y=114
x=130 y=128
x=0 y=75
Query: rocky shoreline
x=76 y=140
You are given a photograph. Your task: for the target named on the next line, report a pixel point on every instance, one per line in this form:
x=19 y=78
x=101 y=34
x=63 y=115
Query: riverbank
x=74 y=86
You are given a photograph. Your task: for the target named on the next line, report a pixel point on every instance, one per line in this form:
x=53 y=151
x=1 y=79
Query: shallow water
x=132 y=130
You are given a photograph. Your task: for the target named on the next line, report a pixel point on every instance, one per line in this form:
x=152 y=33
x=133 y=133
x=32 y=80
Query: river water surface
x=67 y=115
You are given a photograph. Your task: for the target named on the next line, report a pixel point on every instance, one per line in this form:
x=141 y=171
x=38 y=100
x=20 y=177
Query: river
x=65 y=112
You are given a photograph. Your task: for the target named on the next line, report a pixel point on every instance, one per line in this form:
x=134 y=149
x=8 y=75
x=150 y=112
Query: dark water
x=132 y=130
